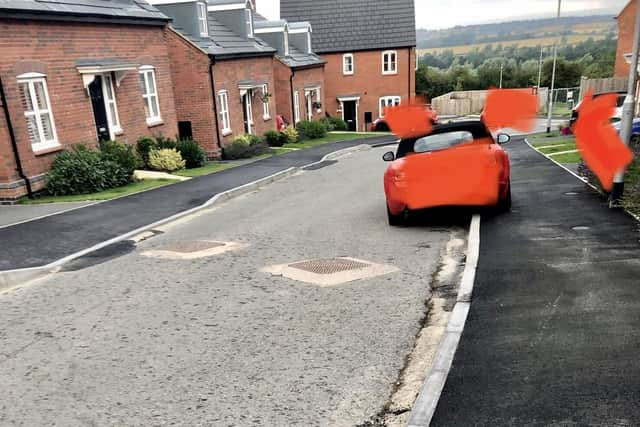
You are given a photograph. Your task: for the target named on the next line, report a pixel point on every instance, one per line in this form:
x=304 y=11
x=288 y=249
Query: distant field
x=540 y=41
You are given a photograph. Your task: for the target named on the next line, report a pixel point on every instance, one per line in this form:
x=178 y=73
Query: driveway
x=124 y=337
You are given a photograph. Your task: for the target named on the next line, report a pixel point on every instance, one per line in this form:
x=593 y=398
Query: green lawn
x=134 y=187
x=210 y=167
x=632 y=187
x=334 y=137
x=558 y=149
x=568 y=157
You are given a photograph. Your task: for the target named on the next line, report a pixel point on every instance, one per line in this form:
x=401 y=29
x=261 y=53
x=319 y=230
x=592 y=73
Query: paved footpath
x=552 y=335
x=46 y=240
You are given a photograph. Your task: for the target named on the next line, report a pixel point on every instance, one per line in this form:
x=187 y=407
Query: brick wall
x=52 y=48
x=626 y=25
x=368 y=81
x=227 y=74
x=301 y=78
x=192 y=91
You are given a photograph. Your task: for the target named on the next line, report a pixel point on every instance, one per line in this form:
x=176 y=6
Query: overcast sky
x=433 y=14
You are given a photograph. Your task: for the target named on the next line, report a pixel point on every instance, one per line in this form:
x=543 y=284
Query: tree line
x=444 y=72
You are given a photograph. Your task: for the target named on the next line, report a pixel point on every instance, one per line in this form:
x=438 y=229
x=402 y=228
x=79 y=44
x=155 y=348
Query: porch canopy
x=89 y=68
x=247 y=85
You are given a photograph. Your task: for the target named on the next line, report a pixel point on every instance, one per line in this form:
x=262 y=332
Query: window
x=318 y=100
x=37 y=110
x=110 y=104
x=202 y=19
x=441 y=141
x=296 y=106
x=224 y=112
x=390 y=62
x=265 y=102
x=388 y=101
x=150 y=94
x=249 y=111
x=308 y=97
x=347 y=63
x=248 y=17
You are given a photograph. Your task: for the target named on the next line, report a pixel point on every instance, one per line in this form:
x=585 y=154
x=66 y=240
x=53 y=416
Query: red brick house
x=77 y=71
x=222 y=73
x=369 y=49
x=626 y=25
x=298 y=71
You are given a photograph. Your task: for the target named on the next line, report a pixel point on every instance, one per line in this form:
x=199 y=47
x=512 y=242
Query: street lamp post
x=540 y=67
x=553 y=76
x=501 y=68
x=628 y=109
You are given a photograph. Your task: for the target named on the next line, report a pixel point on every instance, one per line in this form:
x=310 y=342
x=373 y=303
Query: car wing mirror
x=503 y=138
x=388 y=156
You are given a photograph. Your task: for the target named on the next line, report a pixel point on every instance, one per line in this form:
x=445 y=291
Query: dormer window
x=309 y=42
x=202 y=19
x=248 y=16
x=286 y=43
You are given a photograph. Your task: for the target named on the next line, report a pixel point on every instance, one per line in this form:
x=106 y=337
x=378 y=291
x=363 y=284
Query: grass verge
x=211 y=167
x=334 y=137
x=568 y=158
x=112 y=193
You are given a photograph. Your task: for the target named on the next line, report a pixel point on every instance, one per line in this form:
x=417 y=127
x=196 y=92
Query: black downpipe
x=215 y=105
x=293 y=103
x=14 y=144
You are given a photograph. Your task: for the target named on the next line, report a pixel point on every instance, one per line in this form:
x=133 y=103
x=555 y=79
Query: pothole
x=192 y=249
x=330 y=271
x=581 y=228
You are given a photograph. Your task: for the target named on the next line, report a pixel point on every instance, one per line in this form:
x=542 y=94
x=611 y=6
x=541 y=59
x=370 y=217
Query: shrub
x=83 y=171
x=334 y=123
x=291 y=134
x=283 y=138
x=193 y=155
x=121 y=154
x=166 y=160
x=311 y=130
x=241 y=149
x=143 y=146
x=272 y=138
x=163 y=143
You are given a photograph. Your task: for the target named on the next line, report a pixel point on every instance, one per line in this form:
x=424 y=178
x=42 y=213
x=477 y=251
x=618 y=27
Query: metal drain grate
x=329 y=266
x=189 y=246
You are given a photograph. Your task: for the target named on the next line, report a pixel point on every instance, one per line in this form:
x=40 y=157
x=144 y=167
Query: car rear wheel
x=504 y=204
x=396 y=220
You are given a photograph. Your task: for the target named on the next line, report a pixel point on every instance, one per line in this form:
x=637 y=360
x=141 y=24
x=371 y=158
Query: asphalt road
x=552 y=334
x=135 y=340
x=40 y=242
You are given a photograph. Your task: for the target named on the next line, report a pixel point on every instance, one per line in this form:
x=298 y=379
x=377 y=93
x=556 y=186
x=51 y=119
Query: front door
x=248 y=112
x=99 y=109
x=349 y=113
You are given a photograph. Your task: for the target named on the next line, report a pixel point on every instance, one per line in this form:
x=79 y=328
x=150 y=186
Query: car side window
x=441 y=141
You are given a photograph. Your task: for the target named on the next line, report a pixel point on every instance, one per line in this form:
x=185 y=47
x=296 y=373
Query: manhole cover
x=580 y=228
x=330 y=271
x=189 y=246
x=329 y=266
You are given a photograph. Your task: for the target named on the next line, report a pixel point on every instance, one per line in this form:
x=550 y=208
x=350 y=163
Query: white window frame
x=388 y=101
x=248 y=19
x=203 y=26
x=114 y=122
x=249 y=111
x=344 y=64
x=296 y=106
x=30 y=79
x=147 y=95
x=223 y=97
x=265 y=105
x=318 y=110
x=386 y=60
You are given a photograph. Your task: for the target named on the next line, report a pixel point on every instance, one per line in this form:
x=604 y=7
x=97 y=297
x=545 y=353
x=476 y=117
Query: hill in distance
x=462 y=39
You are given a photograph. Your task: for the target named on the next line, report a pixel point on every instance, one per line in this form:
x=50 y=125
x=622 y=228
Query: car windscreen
x=441 y=141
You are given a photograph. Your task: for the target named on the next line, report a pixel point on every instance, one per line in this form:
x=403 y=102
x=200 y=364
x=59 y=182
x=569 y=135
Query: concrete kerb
x=22 y=276
x=427 y=401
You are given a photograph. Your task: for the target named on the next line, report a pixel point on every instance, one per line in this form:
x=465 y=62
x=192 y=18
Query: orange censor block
x=601 y=147
x=409 y=121
x=510 y=108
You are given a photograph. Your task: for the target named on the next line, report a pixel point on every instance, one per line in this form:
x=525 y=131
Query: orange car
x=456 y=164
